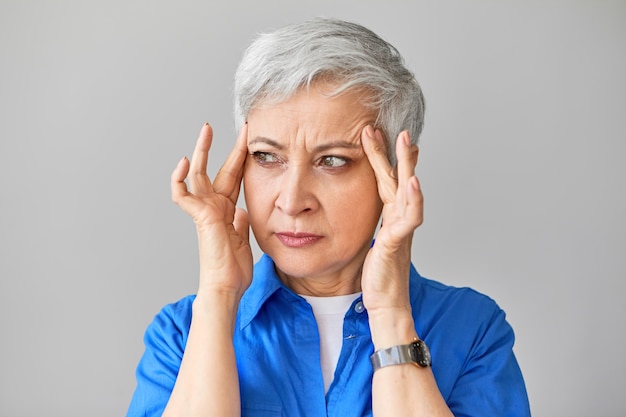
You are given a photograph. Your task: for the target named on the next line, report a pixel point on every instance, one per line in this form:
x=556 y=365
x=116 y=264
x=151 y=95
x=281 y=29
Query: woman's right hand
x=207 y=380
x=223 y=230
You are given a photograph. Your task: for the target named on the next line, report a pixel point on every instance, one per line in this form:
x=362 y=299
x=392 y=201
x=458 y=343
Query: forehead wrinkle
x=307 y=137
x=313 y=123
x=334 y=133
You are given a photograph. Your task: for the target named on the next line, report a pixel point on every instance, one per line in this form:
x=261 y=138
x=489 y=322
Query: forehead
x=313 y=114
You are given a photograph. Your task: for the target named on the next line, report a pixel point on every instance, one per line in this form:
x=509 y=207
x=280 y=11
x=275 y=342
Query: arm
x=399 y=390
x=207 y=382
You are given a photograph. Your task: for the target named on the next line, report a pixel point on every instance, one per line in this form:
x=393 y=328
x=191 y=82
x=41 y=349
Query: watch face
x=421 y=354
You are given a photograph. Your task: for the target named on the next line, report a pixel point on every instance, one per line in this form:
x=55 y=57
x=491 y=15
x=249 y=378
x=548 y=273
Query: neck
x=323 y=286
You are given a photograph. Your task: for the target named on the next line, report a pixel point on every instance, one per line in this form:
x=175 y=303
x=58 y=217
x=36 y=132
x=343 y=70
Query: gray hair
x=278 y=64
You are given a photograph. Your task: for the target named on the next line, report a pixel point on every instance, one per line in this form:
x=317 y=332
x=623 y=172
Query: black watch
x=416 y=352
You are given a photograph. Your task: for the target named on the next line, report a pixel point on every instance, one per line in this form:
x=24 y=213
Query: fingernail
x=369 y=131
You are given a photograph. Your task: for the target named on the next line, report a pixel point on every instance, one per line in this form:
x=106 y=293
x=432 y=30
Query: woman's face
x=310 y=190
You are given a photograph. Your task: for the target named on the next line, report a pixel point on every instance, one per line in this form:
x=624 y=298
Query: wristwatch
x=416 y=352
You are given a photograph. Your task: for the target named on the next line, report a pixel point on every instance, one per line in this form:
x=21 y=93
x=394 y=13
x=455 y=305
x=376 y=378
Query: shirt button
x=359 y=307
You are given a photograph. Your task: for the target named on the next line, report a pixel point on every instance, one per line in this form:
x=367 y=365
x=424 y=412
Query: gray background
x=521 y=165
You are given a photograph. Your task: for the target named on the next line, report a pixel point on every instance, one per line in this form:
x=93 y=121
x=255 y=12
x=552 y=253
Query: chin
x=301 y=265
x=314 y=262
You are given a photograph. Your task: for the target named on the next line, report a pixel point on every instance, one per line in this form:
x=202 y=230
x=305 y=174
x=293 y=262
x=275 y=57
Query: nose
x=297 y=192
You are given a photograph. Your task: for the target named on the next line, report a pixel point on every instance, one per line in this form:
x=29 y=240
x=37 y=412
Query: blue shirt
x=278 y=353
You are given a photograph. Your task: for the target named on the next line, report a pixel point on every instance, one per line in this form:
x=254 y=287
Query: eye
x=264 y=157
x=333 y=161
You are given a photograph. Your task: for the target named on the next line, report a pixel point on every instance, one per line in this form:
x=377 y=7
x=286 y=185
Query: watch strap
x=415 y=352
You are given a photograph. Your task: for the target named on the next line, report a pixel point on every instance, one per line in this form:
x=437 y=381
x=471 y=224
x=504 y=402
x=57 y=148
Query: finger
x=199 y=182
x=180 y=194
x=374 y=147
x=177 y=180
x=415 y=201
x=228 y=179
x=406 y=164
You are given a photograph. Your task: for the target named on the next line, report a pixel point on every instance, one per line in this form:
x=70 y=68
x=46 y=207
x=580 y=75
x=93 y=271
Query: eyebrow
x=267 y=141
x=320 y=148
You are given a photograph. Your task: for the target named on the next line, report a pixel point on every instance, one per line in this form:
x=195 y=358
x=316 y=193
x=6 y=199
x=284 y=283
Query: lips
x=298 y=240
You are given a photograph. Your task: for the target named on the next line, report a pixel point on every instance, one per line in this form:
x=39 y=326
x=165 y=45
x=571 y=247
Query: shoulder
x=460 y=312
x=178 y=311
x=171 y=324
x=442 y=297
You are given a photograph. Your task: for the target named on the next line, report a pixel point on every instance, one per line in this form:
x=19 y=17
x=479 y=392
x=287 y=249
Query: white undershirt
x=329 y=313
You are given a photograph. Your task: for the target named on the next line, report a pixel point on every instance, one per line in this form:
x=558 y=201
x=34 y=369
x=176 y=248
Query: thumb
x=242 y=225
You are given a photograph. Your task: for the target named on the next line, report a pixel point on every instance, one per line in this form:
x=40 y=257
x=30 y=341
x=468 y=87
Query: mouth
x=298 y=240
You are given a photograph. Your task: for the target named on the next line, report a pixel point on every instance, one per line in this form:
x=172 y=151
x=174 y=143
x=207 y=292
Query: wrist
x=220 y=308
x=391 y=327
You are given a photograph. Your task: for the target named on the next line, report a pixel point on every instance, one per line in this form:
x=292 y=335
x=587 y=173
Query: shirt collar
x=265 y=283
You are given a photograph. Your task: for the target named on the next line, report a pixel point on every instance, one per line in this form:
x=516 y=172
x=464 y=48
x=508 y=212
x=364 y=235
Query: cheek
x=356 y=206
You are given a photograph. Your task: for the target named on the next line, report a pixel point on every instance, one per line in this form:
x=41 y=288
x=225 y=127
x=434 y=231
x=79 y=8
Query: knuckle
x=177 y=196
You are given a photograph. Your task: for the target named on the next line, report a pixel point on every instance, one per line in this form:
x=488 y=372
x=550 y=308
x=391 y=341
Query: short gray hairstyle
x=278 y=64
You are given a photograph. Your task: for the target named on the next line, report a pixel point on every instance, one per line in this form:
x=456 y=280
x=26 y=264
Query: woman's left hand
x=385 y=279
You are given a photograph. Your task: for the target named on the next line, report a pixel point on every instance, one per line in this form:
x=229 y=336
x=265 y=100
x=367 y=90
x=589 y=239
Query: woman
x=327 y=322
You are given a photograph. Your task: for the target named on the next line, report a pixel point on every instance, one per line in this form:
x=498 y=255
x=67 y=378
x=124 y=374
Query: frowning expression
x=310 y=190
